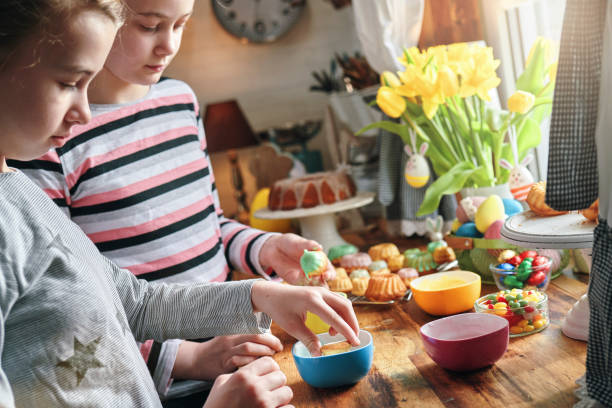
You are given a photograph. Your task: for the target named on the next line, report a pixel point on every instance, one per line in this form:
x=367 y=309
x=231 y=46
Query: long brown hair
x=21 y=18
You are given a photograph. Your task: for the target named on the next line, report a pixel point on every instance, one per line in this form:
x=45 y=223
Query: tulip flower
x=390 y=102
x=521 y=102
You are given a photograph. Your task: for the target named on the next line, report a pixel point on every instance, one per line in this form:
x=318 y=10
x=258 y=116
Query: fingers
x=330 y=273
x=308 y=338
x=261 y=366
x=265 y=339
x=337 y=312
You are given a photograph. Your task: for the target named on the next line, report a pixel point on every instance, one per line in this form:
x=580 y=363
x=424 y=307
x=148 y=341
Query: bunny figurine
x=521 y=179
x=416 y=171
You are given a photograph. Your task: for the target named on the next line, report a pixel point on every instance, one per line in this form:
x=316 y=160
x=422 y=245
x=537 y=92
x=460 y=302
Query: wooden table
x=538 y=370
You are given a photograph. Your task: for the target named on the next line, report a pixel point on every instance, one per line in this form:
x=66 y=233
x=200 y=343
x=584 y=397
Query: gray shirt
x=70 y=317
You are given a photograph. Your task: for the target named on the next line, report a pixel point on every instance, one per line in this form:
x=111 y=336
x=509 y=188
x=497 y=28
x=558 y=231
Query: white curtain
x=385 y=27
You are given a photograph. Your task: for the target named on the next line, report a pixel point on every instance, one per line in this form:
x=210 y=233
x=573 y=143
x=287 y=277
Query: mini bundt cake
x=536 y=201
x=359 y=273
x=341 y=273
x=360 y=260
x=342 y=284
x=407 y=275
x=377 y=265
x=382 y=271
x=313 y=263
x=311 y=190
x=443 y=255
x=385 y=287
x=396 y=262
x=383 y=251
x=422 y=261
x=360 y=285
x=336 y=252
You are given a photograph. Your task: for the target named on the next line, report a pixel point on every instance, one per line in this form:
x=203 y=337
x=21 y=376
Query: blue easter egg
x=469 y=230
x=505 y=266
x=512 y=206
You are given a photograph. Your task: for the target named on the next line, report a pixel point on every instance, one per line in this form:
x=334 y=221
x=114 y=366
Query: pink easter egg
x=494 y=230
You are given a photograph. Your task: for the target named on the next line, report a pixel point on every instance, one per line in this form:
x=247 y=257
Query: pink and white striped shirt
x=137 y=179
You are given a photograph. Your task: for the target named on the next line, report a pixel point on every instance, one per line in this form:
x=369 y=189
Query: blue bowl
x=337 y=369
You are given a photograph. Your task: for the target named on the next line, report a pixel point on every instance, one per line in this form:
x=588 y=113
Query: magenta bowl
x=466 y=342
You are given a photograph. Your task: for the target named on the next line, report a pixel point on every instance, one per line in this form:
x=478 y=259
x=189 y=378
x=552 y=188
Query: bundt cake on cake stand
x=568 y=231
x=318 y=223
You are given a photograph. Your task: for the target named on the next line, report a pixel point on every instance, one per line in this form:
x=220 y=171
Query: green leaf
x=529 y=136
x=449 y=183
x=399 y=129
x=532 y=79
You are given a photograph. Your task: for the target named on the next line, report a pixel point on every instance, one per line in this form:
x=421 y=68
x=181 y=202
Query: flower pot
x=502 y=190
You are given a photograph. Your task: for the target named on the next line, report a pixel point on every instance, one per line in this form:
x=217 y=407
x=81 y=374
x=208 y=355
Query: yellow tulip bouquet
x=441 y=98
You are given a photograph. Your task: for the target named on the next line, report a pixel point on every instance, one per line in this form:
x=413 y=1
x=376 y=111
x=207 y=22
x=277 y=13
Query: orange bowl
x=446 y=293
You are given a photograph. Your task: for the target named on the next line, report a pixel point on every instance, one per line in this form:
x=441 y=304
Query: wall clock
x=258 y=21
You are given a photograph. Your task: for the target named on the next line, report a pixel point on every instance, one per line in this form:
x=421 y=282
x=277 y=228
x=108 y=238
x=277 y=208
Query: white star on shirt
x=82 y=359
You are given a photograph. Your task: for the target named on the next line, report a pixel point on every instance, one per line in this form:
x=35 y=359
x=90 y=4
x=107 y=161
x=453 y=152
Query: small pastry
x=377 y=265
x=341 y=273
x=380 y=272
x=537 y=203
x=385 y=287
x=592 y=212
x=443 y=255
x=383 y=251
x=335 y=348
x=313 y=263
x=360 y=285
x=359 y=273
x=423 y=262
x=407 y=275
x=340 y=284
x=336 y=252
x=396 y=262
x=359 y=260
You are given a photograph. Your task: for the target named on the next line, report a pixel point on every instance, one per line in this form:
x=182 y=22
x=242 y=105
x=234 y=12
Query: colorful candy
x=526 y=311
x=518 y=271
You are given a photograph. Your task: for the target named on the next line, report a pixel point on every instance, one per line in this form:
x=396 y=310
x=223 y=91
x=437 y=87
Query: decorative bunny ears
x=505 y=163
x=413 y=150
x=434 y=228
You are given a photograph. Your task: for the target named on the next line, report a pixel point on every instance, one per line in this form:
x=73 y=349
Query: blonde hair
x=20 y=19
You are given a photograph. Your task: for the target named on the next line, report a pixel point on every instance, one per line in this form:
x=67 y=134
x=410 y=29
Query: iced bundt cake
x=311 y=190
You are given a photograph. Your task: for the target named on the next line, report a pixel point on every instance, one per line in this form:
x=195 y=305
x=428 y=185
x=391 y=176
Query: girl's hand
x=222 y=355
x=259 y=384
x=287 y=306
x=283 y=252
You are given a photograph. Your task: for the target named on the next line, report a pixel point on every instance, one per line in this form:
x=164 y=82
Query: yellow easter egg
x=456 y=225
x=491 y=210
x=261 y=201
x=416 y=181
x=315 y=324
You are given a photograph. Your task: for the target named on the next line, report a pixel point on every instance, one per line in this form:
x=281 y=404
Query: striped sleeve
x=47 y=173
x=242 y=244
x=162 y=311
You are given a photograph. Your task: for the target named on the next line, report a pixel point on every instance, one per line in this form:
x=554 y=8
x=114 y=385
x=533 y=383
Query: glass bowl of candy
x=527 y=270
x=525 y=310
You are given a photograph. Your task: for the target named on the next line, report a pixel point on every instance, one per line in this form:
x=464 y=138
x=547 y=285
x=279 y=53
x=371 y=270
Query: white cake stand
x=567 y=231
x=318 y=223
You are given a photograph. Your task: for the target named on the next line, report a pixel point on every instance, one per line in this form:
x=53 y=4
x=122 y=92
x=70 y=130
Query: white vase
x=502 y=190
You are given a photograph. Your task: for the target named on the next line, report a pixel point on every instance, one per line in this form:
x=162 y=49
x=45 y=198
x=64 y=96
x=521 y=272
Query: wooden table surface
x=538 y=370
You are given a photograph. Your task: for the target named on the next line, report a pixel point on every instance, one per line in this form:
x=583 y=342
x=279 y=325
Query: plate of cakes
x=382 y=276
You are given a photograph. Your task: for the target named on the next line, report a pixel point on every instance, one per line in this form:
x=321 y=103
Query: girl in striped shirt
x=137 y=179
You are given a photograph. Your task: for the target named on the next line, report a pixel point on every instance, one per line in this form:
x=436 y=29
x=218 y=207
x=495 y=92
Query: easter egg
x=466 y=210
x=494 y=230
x=468 y=230
x=491 y=210
x=456 y=225
x=505 y=255
x=261 y=201
x=512 y=206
